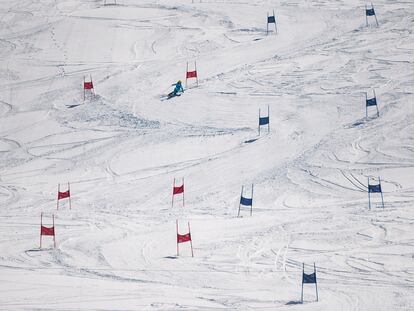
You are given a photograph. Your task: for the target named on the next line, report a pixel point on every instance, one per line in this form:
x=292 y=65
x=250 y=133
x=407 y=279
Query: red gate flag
x=88 y=85
x=47 y=230
x=178 y=190
x=191 y=74
x=63 y=195
x=182 y=238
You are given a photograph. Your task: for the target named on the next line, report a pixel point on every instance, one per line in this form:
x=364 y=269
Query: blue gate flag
x=370 y=12
x=246 y=201
x=309 y=278
x=271 y=19
x=263 y=120
x=374 y=188
x=371 y=102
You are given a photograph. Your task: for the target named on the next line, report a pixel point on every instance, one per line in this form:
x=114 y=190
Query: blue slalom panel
x=371 y=102
x=370 y=12
x=271 y=19
x=263 y=121
x=309 y=278
x=374 y=188
x=246 y=201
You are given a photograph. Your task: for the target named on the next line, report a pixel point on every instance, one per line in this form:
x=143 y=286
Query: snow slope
x=122 y=149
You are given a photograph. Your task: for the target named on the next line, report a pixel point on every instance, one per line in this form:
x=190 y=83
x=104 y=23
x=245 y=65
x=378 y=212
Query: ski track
x=121 y=150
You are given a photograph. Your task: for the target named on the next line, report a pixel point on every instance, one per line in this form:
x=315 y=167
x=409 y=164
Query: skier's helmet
x=179 y=82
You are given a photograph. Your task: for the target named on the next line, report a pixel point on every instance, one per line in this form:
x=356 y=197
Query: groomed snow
x=121 y=150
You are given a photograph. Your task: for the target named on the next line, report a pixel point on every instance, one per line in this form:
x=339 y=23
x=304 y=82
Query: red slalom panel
x=88 y=85
x=63 y=195
x=47 y=231
x=50 y=231
x=182 y=238
x=191 y=74
x=178 y=190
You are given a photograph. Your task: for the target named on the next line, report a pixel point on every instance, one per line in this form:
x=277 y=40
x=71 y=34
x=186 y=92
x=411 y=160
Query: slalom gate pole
x=267 y=24
x=241 y=195
x=382 y=197
x=54 y=231
x=41 y=224
x=93 y=87
x=303 y=271
x=268 y=116
x=172 y=199
x=177 y=237
x=183 y=193
x=316 y=282
x=195 y=66
x=376 y=103
x=191 y=240
x=369 y=197
x=57 y=202
x=375 y=15
x=251 y=206
x=70 y=200
x=186 y=78
x=259 y=122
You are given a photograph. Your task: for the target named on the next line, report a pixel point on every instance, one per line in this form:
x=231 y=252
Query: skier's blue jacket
x=178 y=88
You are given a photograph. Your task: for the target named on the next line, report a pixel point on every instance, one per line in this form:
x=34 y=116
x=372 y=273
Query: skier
x=178 y=88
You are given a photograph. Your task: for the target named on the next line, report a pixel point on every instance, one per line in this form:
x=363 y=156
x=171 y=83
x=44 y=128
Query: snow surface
x=122 y=149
